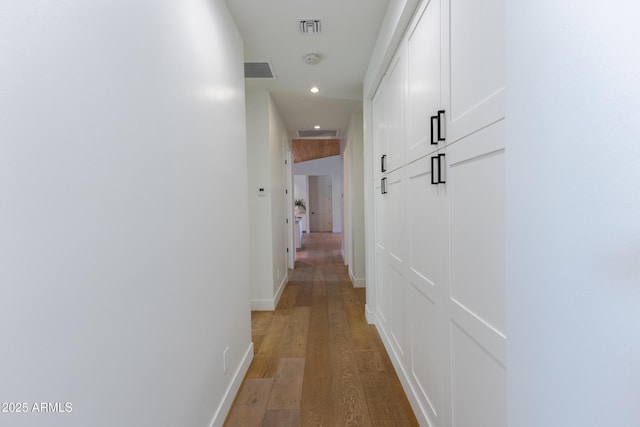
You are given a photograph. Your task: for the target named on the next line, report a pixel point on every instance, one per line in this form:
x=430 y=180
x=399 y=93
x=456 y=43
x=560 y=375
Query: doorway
x=320 y=200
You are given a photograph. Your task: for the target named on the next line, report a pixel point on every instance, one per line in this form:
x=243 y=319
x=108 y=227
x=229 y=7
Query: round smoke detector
x=312 y=58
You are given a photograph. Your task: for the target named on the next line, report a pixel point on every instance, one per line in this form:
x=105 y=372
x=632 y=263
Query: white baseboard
x=412 y=394
x=262 y=305
x=271 y=303
x=370 y=315
x=232 y=390
x=283 y=284
x=357 y=283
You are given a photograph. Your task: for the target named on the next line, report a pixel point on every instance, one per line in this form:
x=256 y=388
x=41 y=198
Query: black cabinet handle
x=383 y=163
x=441 y=177
x=383 y=185
x=434 y=140
x=434 y=161
x=440 y=125
x=437 y=163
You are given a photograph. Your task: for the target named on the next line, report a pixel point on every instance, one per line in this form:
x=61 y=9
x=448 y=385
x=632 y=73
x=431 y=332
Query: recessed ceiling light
x=314 y=90
x=316 y=127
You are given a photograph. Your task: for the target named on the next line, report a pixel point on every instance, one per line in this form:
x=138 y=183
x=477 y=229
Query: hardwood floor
x=317 y=362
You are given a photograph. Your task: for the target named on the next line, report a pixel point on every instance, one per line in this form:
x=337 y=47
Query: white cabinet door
x=428 y=293
x=381 y=283
x=395 y=224
x=475 y=220
x=423 y=99
x=395 y=108
x=473 y=55
x=380 y=153
x=392 y=298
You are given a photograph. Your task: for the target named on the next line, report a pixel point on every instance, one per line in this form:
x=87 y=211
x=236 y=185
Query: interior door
x=320 y=204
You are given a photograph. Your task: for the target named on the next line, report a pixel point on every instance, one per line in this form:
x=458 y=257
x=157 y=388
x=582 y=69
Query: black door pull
x=441 y=177
x=440 y=125
x=437 y=177
x=434 y=140
x=434 y=162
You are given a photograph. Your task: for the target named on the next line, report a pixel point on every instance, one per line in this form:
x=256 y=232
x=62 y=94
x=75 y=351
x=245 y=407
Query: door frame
x=288 y=208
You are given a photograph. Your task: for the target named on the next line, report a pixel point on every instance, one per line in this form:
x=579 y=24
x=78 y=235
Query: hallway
x=317 y=361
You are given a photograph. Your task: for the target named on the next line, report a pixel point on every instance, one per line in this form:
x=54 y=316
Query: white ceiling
x=271 y=33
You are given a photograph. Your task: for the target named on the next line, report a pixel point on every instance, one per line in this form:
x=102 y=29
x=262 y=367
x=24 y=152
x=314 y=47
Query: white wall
x=354 y=243
x=573 y=209
x=260 y=212
x=123 y=211
x=331 y=166
x=266 y=141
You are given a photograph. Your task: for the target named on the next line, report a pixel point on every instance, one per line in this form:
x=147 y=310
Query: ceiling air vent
x=328 y=133
x=310 y=26
x=257 y=70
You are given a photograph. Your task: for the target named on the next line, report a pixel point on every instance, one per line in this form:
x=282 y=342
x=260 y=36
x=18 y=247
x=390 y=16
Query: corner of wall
x=356 y=281
x=372 y=319
x=230 y=393
x=283 y=284
x=270 y=304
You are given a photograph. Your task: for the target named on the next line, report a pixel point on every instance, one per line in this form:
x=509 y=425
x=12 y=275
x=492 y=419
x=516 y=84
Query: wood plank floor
x=317 y=362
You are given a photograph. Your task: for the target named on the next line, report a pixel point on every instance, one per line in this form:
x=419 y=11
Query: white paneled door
x=379 y=132
x=423 y=97
x=320 y=203
x=427 y=286
x=396 y=80
x=381 y=267
x=473 y=52
x=475 y=218
x=395 y=238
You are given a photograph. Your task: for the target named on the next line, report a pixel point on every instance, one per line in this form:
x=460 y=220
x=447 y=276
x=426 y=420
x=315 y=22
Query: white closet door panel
x=395 y=109
x=424 y=216
x=382 y=287
x=395 y=229
x=478 y=384
x=474 y=86
x=379 y=216
x=379 y=128
x=476 y=186
x=426 y=367
x=492 y=340
x=423 y=45
x=399 y=307
x=395 y=215
x=381 y=281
